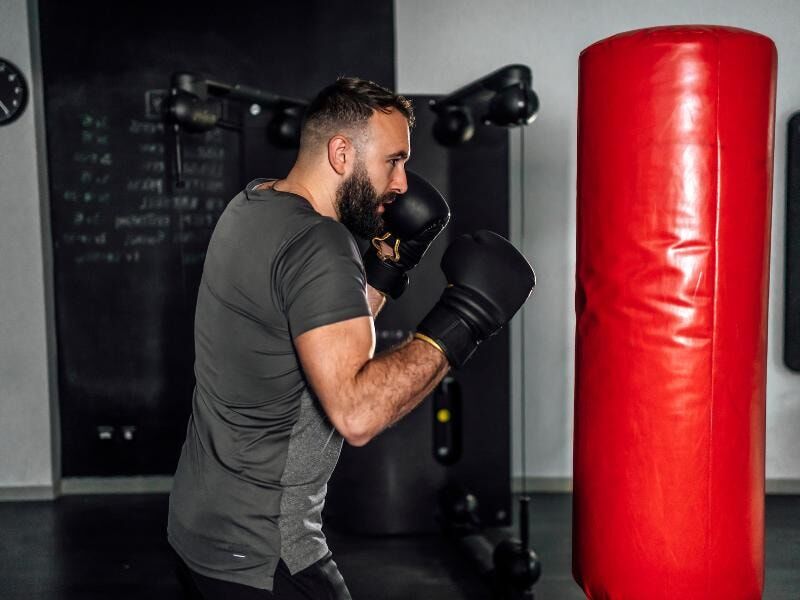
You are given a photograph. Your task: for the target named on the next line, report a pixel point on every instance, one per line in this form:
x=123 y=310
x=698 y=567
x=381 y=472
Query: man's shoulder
x=322 y=234
x=291 y=218
x=264 y=210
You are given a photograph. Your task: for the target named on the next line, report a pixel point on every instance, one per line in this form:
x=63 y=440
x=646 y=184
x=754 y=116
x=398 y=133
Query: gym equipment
x=195 y=105
x=674 y=200
x=510 y=567
x=791 y=321
x=505 y=98
x=410 y=225
x=488 y=282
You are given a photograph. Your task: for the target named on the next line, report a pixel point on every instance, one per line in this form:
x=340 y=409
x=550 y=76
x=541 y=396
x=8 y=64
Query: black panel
x=128 y=252
x=390 y=485
x=791 y=349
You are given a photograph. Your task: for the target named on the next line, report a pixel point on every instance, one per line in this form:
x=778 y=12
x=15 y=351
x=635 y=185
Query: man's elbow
x=356 y=432
x=357 y=440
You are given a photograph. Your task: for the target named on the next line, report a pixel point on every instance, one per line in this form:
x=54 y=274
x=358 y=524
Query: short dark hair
x=348 y=104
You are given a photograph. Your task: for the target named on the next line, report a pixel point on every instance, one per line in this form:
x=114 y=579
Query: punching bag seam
x=714 y=315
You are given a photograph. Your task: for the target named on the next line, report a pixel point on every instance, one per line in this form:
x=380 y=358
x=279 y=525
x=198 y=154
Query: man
x=284 y=343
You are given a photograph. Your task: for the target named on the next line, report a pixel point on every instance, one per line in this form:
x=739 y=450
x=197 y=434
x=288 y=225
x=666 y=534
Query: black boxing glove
x=489 y=282
x=411 y=223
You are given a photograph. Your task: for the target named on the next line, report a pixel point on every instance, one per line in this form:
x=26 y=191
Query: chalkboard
x=128 y=249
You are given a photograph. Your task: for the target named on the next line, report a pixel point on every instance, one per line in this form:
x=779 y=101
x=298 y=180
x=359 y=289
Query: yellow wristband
x=431 y=341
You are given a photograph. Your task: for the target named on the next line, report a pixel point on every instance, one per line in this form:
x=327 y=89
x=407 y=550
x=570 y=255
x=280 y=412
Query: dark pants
x=320 y=581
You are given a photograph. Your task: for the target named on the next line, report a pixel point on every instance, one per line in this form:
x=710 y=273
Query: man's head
x=363 y=131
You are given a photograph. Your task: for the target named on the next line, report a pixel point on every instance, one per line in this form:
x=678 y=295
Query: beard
x=357 y=203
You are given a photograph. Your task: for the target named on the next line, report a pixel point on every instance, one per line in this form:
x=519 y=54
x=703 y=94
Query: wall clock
x=13 y=92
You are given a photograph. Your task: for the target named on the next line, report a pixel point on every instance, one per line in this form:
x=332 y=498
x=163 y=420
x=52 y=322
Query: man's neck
x=322 y=197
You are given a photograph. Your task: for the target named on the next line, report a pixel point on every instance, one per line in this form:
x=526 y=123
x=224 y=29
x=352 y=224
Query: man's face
x=378 y=176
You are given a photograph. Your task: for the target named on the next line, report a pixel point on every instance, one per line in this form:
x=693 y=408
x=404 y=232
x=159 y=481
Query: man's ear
x=340 y=151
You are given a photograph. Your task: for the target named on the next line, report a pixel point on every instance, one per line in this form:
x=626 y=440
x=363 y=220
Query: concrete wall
x=27 y=437
x=443 y=45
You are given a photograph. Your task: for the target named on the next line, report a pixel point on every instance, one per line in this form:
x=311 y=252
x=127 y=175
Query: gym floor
x=112 y=547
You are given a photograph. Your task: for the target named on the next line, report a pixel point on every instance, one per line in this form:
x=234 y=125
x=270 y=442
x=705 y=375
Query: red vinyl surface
x=675 y=139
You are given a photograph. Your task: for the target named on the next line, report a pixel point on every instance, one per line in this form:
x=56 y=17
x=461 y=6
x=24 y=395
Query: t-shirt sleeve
x=320 y=278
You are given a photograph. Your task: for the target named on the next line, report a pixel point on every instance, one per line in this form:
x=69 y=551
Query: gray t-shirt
x=259 y=450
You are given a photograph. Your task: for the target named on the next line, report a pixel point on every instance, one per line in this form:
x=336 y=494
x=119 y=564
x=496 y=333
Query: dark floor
x=113 y=547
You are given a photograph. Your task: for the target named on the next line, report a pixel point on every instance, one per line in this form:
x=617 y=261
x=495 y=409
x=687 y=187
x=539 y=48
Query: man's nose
x=400 y=182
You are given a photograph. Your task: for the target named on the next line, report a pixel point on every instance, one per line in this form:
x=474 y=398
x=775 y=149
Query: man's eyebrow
x=400 y=154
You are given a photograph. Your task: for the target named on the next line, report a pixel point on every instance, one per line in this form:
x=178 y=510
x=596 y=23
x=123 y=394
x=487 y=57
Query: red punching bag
x=674 y=198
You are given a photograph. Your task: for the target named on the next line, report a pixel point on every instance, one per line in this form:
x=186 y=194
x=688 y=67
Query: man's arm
x=376 y=301
x=488 y=281
x=361 y=394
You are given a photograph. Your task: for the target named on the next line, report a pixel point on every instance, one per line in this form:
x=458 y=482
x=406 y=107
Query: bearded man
x=284 y=343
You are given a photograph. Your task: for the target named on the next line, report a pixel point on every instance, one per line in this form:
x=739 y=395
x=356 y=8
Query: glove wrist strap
x=430 y=341
x=384 y=277
x=450 y=333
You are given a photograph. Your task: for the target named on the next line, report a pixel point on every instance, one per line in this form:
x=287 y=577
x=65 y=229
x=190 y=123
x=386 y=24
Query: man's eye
x=394 y=161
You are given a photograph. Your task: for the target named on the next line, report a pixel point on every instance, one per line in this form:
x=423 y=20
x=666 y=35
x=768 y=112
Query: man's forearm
x=376 y=300
x=390 y=385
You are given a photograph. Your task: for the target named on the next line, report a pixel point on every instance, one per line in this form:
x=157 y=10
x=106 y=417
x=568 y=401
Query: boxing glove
x=411 y=223
x=489 y=280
